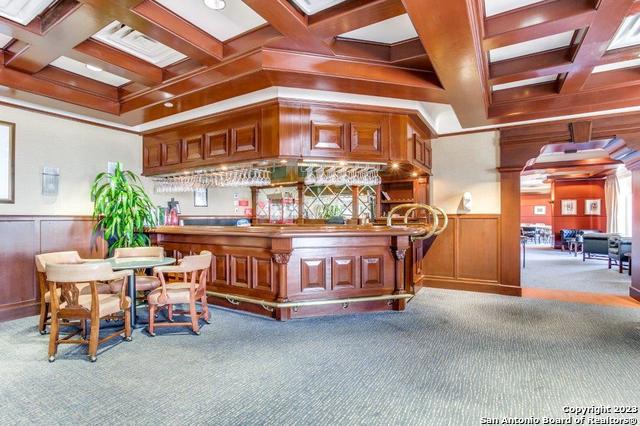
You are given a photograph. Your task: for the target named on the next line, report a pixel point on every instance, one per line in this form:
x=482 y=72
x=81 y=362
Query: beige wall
x=81 y=151
x=466 y=163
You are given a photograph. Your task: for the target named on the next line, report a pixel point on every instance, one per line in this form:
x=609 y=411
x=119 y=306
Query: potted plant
x=121 y=209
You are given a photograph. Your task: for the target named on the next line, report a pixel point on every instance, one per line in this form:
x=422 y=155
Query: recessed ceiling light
x=283 y=161
x=414 y=174
x=168 y=104
x=215 y=4
x=93 y=68
x=395 y=166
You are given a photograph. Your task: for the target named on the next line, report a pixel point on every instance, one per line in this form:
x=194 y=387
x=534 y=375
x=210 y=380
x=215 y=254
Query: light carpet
x=450 y=359
x=554 y=269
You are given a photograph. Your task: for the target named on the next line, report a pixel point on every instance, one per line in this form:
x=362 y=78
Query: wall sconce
x=50 y=181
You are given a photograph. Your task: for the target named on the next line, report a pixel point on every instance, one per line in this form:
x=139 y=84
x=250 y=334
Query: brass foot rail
x=269 y=306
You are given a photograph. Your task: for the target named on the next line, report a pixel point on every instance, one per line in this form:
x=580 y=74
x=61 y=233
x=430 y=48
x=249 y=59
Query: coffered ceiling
x=492 y=61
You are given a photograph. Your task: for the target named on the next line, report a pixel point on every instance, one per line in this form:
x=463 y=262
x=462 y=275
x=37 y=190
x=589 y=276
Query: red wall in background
x=528 y=201
x=578 y=190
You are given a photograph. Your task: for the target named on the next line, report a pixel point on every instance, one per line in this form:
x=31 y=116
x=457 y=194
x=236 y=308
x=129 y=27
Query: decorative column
x=634 y=291
x=510 y=226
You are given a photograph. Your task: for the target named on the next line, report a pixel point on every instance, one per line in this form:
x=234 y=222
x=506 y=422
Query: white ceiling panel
x=555 y=41
x=236 y=18
x=23 y=11
x=310 y=7
x=628 y=34
x=4 y=40
x=617 y=65
x=80 y=68
x=388 y=31
x=494 y=7
x=526 y=82
x=135 y=43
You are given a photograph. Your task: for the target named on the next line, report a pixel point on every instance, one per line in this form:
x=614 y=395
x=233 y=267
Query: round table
x=134 y=263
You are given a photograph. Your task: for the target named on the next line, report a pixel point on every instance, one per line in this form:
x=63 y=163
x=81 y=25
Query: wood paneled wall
x=25 y=236
x=466 y=256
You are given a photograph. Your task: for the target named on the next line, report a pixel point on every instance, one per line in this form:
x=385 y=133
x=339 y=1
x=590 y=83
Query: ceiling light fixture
x=93 y=68
x=168 y=104
x=215 y=4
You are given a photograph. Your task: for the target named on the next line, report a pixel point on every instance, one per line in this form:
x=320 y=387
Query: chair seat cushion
x=143 y=283
x=175 y=294
x=109 y=303
x=85 y=288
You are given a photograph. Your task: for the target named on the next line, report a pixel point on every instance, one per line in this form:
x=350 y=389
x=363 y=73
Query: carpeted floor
x=450 y=359
x=549 y=268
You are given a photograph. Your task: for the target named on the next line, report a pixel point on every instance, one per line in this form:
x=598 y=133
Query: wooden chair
x=182 y=292
x=59 y=257
x=67 y=304
x=144 y=283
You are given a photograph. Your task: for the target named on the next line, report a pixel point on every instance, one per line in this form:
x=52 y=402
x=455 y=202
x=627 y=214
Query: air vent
x=310 y=7
x=23 y=11
x=628 y=34
x=134 y=42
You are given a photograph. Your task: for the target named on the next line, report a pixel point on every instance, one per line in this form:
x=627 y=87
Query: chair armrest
x=93 y=260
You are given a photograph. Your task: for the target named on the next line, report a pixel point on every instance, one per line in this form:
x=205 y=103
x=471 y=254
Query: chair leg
x=205 y=308
x=170 y=313
x=609 y=263
x=152 y=320
x=127 y=325
x=44 y=312
x=194 y=317
x=94 y=335
x=53 y=339
x=620 y=265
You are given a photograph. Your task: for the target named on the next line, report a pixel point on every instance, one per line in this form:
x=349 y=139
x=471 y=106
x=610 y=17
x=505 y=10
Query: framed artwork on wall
x=569 y=207
x=592 y=207
x=200 y=198
x=539 y=210
x=7 y=162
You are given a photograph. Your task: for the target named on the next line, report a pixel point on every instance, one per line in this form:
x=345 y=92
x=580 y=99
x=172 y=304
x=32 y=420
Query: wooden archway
x=519 y=144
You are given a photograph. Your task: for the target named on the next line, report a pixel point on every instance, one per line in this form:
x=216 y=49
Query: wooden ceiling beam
x=181 y=38
x=537 y=65
x=292 y=24
x=21 y=81
x=615 y=78
x=347 y=48
x=76 y=25
x=594 y=44
x=536 y=21
x=75 y=81
x=251 y=40
x=424 y=82
x=574 y=103
x=456 y=57
x=117 y=62
x=351 y=15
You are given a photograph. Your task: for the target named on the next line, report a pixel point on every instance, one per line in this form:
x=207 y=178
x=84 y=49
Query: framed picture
x=539 y=210
x=200 y=198
x=592 y=207
x=569 y=207
x=7 y=162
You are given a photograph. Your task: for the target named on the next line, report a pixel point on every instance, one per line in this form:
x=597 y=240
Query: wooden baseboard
x=634 y=293
x=471 y=285
x=19 y=310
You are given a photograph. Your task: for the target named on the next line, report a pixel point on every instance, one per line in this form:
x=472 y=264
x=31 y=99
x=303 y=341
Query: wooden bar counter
x=298 y=271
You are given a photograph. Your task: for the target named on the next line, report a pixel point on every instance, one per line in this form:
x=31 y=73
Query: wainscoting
x=466 y=256
x=25 y=236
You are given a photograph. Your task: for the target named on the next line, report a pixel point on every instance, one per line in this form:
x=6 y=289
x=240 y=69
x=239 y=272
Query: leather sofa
x=619 y=252
x=596 y=245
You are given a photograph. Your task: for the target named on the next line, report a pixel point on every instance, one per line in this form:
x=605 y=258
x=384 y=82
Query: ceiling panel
x=388 y=31
x=617 y=65
x=4 y=40
x=527 y=82
x=494 y=7
x=236 y=18
x=23 y=11
x=80 y=68
x=628 y=34
x=310 y=7
x=555 y=41
x=134 y=42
